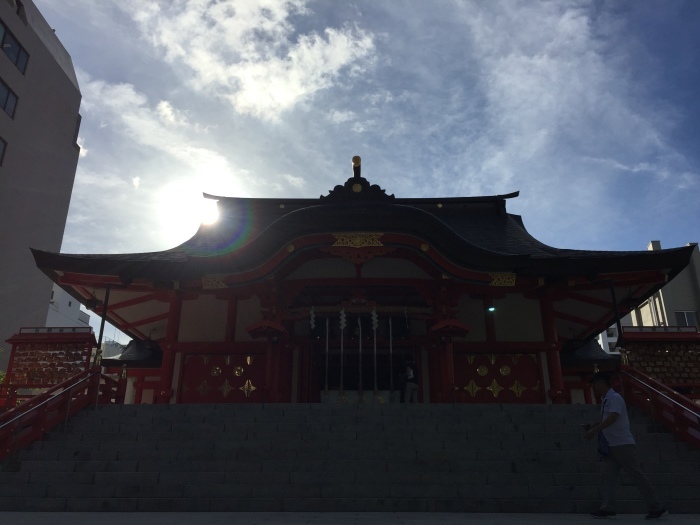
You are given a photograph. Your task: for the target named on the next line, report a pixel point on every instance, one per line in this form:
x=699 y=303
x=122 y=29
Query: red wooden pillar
x=449 y=367
x=556 y=382
x=231 y=313
x=165 y=391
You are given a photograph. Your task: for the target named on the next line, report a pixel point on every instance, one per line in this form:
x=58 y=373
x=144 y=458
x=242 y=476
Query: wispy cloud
x=272 y=98
x=250 y=54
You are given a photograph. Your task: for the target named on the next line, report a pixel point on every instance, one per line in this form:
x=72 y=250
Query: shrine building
x=325 y=300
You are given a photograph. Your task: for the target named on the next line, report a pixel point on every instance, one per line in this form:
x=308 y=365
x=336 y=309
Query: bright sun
x=209 y=211
x=182 y=210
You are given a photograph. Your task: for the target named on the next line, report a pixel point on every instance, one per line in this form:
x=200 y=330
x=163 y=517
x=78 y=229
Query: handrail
x=29 y=421
x=675 y=411
x=69 y=384
x=646 y=380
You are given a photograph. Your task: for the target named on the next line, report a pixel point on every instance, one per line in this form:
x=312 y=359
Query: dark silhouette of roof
x=476 y=232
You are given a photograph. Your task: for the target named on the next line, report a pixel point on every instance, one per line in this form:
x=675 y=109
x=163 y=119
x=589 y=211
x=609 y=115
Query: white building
x=39 y=121
x=676 y=304
x=64 y=310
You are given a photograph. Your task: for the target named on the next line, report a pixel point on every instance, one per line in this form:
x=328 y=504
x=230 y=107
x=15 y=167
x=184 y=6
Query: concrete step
x=456 y=458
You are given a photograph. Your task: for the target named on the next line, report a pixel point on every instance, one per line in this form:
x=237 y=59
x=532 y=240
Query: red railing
x=32 y=419
x=675 y=411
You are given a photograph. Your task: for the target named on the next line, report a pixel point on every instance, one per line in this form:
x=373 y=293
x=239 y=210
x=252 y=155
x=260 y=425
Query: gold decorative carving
x=358 y=255
x=494 y=388
x=502 y=279
x=424 y=247
x=238 y=371
x=227 y=360
x=517 y=388
x=249 y=360
x=515 y=357
x=482 y=370
x=504 y=370
x=213 y=282
x=492 y=358
x=203 y=388
x=470 y=358
x=357 y=188
x=247 y=388
x=290 y=248
x=216 y=371
x=226 y=388
x=357 y=240
x=472 y=388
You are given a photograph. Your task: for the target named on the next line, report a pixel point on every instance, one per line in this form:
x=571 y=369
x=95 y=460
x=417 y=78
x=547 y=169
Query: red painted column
x=231 y=314
x=556 y=382
x=165 y=391
x=445 y=364
x=450 y=371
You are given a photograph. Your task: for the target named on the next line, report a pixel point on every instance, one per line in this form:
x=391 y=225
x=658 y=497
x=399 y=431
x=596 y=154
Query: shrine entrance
x=358 y=375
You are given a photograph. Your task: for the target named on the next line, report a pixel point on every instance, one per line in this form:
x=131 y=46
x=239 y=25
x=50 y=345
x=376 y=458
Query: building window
x=12 y=48
x=8 y=99
x=3 y=147
x=687 y=318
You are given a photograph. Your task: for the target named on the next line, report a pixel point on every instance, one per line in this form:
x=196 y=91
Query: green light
x=492 y=308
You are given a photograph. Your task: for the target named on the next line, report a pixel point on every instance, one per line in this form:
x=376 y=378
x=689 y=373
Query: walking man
x=618 y=451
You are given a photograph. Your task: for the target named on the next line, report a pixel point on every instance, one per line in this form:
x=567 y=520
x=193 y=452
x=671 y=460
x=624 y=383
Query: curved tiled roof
x=475 y=232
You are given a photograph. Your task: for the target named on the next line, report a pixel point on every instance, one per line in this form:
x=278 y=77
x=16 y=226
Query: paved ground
x=318 y=518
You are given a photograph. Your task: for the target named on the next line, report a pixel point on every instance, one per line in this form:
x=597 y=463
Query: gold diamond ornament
x=517 y=388
x=494 y=388
x=472 y=388
x=247 y=388
x=226 y=388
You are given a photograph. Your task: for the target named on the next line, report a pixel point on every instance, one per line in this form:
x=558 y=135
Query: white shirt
x=619 y=432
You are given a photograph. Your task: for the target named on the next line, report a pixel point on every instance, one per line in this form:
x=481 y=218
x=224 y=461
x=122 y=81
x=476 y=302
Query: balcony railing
x=659 y=329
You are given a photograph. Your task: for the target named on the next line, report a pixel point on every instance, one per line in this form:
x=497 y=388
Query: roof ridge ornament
x=357 y=188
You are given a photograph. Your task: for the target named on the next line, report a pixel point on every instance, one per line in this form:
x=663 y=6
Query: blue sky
x=589 y=108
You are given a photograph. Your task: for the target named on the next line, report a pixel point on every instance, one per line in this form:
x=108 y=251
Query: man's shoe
x=602 y=513
x=656 y=514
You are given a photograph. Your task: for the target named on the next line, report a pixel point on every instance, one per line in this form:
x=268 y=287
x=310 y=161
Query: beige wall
x=682 y=293
x=471 y=313
x=36 y=176
x=203 y=320
x=518 y=319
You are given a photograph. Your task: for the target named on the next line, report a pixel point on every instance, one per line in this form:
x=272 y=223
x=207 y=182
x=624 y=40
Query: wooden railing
x=675 y=411
x=30 y=420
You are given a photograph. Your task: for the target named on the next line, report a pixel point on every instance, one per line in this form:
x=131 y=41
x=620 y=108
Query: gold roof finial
x=356 y=168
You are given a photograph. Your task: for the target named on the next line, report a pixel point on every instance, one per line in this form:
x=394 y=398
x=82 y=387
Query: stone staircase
x=455 y=458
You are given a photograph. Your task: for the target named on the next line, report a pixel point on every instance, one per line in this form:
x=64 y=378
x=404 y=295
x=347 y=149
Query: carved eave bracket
x=357 y=189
